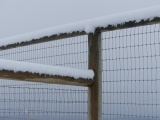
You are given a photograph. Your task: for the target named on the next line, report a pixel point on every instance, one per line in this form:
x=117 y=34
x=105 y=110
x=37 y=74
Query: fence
x=130 y=73
x=125 y=59
x=37 y=101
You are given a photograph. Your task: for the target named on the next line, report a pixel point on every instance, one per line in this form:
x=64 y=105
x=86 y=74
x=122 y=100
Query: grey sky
x=22 y=16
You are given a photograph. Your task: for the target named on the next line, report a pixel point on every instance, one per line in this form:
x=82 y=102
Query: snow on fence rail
x=117 y=21
x=25 y=71
x=94 y=30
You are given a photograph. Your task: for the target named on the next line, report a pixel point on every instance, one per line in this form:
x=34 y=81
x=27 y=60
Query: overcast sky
x=22 y=16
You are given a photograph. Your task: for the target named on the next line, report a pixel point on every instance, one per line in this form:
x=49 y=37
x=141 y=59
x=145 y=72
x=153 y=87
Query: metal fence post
x=95 y=63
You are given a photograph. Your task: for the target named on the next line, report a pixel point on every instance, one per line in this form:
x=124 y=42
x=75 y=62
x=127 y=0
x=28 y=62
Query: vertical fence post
x=95 y=63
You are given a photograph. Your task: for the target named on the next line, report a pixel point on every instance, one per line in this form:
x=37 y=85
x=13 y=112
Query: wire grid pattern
x=131 y=79
x=37 y=101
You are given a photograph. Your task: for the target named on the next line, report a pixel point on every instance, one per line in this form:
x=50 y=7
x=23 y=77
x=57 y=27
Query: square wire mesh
x=131 y=79
x=37 y=101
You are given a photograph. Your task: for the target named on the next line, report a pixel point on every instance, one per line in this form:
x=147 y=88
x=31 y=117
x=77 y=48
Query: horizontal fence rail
x=124 y=25
x=50 y=79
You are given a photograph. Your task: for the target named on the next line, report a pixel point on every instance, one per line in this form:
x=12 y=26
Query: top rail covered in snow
x=112 y=22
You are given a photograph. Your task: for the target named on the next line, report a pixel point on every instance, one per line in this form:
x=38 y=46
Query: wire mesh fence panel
x=131 y=79
x=37 y=101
